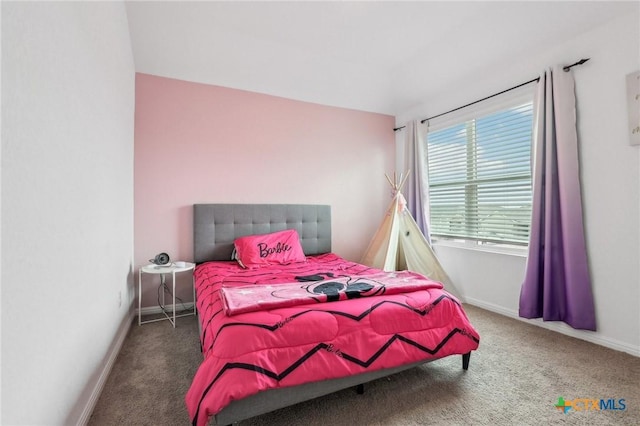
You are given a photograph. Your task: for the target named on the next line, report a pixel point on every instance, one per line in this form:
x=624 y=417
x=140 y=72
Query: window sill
x=509 y=251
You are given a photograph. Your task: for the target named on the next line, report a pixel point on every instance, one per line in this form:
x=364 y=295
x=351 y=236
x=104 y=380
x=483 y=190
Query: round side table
x=163 y=270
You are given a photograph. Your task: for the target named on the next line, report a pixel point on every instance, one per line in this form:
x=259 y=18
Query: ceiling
x=381 y=57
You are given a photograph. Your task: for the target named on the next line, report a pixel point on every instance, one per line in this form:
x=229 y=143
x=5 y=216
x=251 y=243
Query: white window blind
x=479 y=171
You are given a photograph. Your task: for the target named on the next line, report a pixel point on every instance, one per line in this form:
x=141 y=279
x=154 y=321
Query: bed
x=285 y=350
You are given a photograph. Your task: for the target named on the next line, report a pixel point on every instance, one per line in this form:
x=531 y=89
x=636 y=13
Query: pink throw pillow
x=277 y=248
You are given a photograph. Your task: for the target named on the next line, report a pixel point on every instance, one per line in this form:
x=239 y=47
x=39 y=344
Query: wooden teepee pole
x=389 y=180
x=403 y=181
x=397 y=183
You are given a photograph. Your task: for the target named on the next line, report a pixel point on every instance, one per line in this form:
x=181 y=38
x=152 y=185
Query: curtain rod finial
x=580 y=62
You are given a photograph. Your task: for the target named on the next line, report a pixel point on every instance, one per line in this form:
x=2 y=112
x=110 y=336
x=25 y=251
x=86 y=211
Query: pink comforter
x=291 y=345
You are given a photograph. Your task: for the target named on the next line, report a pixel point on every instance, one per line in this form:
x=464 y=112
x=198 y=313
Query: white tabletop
x=167 y=269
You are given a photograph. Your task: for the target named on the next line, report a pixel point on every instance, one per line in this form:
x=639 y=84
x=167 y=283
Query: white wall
x=67 y=202
x=610 y=170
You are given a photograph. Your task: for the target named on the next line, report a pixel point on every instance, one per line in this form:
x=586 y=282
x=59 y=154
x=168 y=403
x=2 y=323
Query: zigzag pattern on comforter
x=256 y=351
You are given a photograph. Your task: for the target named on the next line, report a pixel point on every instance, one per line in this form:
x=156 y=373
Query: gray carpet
x=515 y=378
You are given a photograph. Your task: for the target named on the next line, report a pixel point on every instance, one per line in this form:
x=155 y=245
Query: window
x=479 y=169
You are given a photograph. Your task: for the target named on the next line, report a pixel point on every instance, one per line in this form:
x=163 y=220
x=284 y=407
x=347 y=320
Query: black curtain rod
x=566 y=68
x=483 y=99
x=580 y=62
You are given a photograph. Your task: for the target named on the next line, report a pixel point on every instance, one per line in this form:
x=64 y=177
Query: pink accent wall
x=197 y=143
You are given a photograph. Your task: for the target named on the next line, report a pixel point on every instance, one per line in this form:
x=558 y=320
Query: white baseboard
x=150 y=310
x=123 y=330
x=559 y=327
x=111 y=356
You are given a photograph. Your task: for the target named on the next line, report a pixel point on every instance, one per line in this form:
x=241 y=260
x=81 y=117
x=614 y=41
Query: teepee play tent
x=400 y=245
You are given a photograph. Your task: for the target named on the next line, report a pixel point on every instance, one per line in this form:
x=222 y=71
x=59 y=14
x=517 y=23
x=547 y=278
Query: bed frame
x=215 y=227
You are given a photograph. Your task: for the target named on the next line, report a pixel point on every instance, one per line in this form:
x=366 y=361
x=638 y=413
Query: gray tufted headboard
x=216 y=226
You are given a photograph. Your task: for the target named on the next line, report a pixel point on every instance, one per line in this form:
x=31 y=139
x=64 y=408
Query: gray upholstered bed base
x=215 y=227
x=274 y=399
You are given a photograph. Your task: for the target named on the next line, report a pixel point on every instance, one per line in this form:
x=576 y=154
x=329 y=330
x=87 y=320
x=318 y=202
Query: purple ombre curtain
x=557 y=285
x=415 y=162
